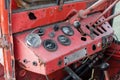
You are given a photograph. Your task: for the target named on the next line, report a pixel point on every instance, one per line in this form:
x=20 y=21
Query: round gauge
x=33 y=40
x=67 y=30
x=64 y=40
x=50 y=45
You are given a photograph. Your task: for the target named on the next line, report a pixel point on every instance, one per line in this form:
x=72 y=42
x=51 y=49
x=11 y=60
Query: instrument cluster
x=34 y=38
x=61 y=44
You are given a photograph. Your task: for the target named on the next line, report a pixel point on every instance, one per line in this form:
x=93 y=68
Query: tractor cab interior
x=64 y=40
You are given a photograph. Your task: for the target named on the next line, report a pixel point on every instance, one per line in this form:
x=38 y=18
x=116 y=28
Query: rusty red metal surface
x=6 y=39
x=14 y=5
x=1 y=72
x=48 y=61
x=22 y=74
x=114 y=68
x=115 y=48
x=44 y=16
x=84 y=13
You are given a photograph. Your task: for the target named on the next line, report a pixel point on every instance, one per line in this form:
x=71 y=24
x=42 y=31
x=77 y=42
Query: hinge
x=4 y=43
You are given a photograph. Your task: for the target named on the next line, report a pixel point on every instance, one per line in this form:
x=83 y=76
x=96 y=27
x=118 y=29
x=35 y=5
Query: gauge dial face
x=67 y=30
x=50 y=45
x=64 y=40
x=33 y=40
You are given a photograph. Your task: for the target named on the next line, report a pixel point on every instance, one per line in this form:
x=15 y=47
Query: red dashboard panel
x=43 y=16
x=42 y=61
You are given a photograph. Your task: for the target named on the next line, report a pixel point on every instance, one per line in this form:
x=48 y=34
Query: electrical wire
x=114 y=49
x=35 y=30
x=85 y=60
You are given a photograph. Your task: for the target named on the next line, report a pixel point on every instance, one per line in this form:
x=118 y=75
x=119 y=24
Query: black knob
x=77 y=24
x=56 y=27
x=41 y=32
x=104 y=66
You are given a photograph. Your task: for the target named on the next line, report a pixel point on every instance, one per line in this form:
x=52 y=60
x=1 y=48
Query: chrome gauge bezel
x=53 y=43
x=66 y=41
x=33 y=40
x=70 y=31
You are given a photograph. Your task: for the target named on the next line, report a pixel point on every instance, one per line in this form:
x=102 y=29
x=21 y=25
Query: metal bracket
x=91 y=33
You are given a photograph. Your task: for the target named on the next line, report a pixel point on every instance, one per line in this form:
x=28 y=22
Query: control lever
x=72 y=73
x=91 y=33
x=106 y=10
x=84 y=13
x=77 y=25
x=107 y=19
x=104 y=67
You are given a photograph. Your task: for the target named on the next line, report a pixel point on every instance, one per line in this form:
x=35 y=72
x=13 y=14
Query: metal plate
x=75 y=56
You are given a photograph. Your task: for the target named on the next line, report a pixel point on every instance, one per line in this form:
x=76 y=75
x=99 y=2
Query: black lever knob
x=56 y=27
x=77 y=24
x=41 y=32
x=104 y=66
